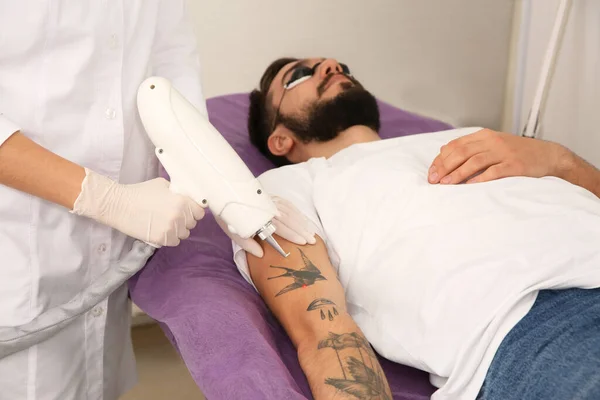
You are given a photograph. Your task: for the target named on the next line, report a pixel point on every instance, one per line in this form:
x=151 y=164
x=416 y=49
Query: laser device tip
x=276 y=246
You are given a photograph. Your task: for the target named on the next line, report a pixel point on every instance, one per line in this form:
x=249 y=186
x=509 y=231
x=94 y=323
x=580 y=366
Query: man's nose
x=329 y=66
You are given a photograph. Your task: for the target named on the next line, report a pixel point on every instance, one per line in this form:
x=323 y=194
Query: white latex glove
x=290 y=224
x=147 y=211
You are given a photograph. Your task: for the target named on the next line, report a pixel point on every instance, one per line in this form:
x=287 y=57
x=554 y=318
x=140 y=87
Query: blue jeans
x=553 y=353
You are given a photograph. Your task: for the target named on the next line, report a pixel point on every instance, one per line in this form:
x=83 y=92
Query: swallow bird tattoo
x=303 y=277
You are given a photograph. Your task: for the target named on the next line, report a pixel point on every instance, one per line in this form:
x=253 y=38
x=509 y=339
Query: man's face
x=321 y=100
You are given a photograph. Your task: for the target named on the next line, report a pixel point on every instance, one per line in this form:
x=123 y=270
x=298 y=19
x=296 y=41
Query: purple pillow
x=232 y=345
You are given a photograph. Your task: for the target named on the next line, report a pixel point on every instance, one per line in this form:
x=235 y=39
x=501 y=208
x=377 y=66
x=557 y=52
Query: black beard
x=326 y=120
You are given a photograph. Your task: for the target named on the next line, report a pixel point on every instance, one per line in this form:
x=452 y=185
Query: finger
x=301 y=227
x=177 y=232
x=475 y=164
x=494 y=172
x=190 y=219
x=184 y=234
x=197 y=211
x=284 y=206
x=284 y=211
x=293 y=219
x=290 y=212
x=288 y=234
x=437 y=170
x=171 y=239
x=433 y=175
x=191 y=224
x=471 y=137
x=250 y=246
x=310 y=237
x=457 y=156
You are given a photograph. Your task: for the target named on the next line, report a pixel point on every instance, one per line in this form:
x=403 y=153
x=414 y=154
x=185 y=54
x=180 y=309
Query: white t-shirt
x=436 y=275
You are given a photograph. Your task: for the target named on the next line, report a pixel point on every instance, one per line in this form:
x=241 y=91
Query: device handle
x=177 y=183
x=175 y=188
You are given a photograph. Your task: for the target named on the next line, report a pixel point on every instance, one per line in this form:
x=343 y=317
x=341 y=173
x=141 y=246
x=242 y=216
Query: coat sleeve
x=7 y=128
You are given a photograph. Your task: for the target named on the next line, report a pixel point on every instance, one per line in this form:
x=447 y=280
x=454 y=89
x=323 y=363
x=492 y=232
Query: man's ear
x=281 y=142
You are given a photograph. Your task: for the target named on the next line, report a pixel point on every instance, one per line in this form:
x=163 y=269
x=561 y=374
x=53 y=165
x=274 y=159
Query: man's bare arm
x=304 y=293
x=576 y=170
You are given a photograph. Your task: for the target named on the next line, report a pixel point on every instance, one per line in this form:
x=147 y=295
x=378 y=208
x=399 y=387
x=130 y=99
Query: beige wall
x=447 y=59
x=571 y=115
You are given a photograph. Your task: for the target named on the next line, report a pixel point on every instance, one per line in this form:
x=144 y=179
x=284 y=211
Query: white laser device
x=202 y=165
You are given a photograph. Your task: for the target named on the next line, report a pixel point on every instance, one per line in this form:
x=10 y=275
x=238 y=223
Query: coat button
x=113 y=42
x=110 y=113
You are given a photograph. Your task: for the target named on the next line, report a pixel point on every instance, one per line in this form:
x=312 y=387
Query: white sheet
x=435 y=275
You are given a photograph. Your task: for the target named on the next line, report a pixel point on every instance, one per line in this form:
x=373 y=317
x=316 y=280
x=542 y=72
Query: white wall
x=572 y=112
x=447 y=59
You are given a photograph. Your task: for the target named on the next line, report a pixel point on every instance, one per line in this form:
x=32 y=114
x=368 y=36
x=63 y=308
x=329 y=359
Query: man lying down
x=490 y=287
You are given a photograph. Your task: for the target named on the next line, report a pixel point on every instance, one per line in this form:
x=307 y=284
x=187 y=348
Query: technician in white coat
x=72 y=156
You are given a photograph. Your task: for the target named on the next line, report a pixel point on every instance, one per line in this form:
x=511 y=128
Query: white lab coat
x=69 y=72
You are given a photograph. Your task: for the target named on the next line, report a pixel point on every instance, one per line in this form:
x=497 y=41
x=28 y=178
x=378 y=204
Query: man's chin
x=344 y=105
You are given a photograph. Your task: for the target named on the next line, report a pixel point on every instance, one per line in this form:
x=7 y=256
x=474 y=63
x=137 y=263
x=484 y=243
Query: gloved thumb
x=249 y=245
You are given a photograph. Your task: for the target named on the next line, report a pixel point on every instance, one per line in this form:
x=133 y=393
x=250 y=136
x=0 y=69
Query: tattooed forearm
x=324 y=305
x=303 y=277
x=361 y=376
x=335 y=365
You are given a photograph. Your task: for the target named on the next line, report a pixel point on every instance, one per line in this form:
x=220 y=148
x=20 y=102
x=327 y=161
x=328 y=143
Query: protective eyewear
x=300 y=74
x=303 y=73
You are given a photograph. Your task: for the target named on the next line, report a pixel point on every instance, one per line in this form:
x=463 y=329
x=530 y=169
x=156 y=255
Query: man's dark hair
x=261 y=113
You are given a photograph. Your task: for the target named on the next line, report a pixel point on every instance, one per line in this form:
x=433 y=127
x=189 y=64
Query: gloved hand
x=290 y=224
x=147 y=211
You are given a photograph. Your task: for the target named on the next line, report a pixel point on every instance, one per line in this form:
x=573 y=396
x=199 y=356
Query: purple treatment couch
x=232 y=345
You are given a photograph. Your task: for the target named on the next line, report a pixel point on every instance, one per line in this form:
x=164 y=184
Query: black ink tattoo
x=303 y=277
x=361 y=381
x=322 y=303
